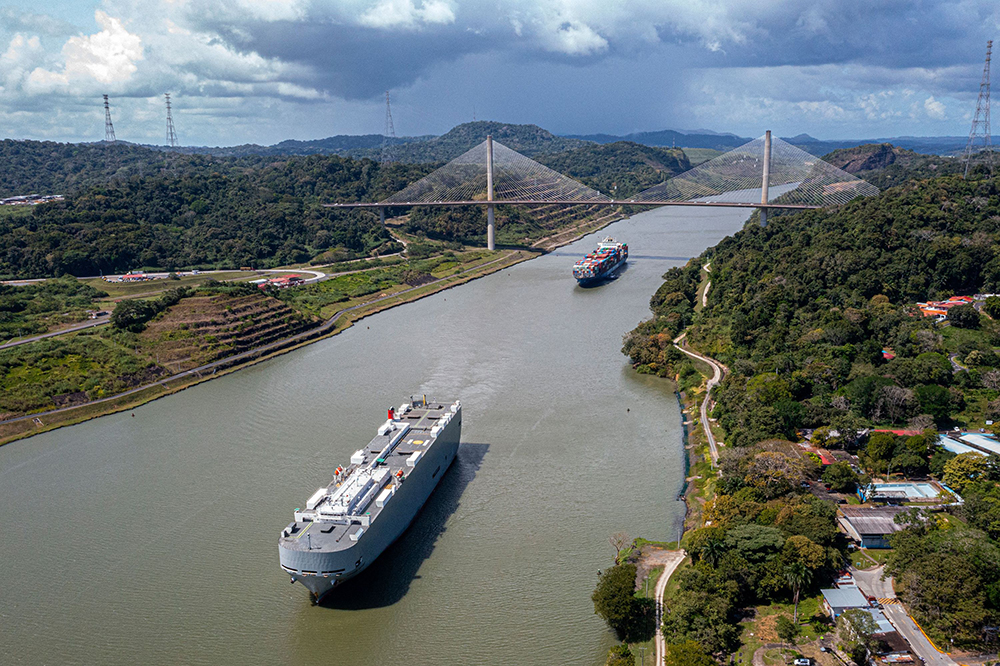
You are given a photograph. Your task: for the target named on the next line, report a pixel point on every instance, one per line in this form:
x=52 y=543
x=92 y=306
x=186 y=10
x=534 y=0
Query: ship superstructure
x=346 y=525
x=600 y=263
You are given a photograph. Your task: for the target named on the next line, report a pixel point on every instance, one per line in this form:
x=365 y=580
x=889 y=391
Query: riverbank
x=35 y=423
x=343 y=318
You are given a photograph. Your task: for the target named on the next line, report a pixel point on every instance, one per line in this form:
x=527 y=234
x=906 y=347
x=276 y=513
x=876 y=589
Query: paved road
x=871 y=583
x=716 y=378
x=704 y=296
x=661 y=586
x=100 y=321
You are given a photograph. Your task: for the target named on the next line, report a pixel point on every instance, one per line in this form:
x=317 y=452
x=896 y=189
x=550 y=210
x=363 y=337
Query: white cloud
x=934 y=108
x=574 y=38
x=389 y=14
x=107 y=57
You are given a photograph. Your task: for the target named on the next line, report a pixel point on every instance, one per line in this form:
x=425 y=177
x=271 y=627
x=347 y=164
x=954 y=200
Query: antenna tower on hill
x=389 y=136
x=171 y=134
x=109 y=129
x=981 y=121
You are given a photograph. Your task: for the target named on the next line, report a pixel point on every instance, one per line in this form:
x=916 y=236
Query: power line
x=109 y=128
x=171 y=134
x=389 y=136
x=981 y=121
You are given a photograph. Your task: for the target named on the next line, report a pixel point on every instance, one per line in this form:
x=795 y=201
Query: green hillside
x=618 y=169
x=885 y=165
x=530 y=140
x=197 y=216
x=815 y=297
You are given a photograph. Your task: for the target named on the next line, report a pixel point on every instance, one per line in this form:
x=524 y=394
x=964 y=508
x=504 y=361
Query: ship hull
x=321 y=571
x=602 y=276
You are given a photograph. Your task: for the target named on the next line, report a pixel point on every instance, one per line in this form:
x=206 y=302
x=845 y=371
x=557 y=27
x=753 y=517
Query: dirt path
x=718 y=372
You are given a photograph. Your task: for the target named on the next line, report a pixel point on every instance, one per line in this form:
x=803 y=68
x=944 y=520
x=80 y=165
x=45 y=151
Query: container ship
x=347 y=524
x=600 y=263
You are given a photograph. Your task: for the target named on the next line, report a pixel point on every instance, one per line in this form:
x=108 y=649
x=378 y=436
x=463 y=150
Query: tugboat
x=600 y=263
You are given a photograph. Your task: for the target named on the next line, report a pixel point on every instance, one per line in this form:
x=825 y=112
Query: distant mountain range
x=931 y=145
x=533 y=140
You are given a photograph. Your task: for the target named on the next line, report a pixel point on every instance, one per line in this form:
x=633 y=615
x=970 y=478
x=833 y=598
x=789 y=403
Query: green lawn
x=813 y=624
x=859 y=560
x=130 y=289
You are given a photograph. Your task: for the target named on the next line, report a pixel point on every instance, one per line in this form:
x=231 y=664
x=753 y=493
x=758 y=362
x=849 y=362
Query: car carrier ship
x=600 y=263
x=347 y=524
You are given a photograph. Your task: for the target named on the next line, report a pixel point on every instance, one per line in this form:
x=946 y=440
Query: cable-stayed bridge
x=765 y=174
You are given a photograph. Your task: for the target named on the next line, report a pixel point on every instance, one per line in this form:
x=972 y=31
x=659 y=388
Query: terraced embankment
x=202 y=329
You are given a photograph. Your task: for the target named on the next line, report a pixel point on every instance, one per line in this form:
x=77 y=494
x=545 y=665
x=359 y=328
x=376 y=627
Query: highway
x=100 y=321
x=871 y=583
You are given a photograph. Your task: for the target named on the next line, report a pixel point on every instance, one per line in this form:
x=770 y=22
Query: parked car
x=802 y=661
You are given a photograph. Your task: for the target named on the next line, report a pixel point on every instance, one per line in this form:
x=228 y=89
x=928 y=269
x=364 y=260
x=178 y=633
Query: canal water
x=152 y=538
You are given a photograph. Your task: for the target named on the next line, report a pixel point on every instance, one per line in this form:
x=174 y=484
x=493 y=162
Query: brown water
x=153 y=539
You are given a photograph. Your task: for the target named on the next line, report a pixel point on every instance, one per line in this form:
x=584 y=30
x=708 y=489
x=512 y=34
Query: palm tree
x=798 y=576
x=712 y=551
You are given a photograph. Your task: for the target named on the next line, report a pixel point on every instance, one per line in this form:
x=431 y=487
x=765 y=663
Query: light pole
x=642 y=655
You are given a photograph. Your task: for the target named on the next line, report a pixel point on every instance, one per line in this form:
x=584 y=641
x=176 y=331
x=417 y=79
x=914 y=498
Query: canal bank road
x=152 y=539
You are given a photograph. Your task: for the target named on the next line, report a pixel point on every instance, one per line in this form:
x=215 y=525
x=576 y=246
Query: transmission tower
x=981 y=121
x=109 y=129
x=171 y=134
x=389 y=136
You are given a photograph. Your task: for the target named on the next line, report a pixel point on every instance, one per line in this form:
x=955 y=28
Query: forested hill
x=46 y=167
x=813 y=300
x=884 y=165
x=619 y=169
x=816 y=318
x=203 y=217
x=530 y=140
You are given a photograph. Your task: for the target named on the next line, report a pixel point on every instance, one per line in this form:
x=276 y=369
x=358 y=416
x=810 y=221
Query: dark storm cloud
x=352 y=62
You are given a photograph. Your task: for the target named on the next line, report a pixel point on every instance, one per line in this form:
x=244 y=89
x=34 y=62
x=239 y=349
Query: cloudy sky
x=260 y=71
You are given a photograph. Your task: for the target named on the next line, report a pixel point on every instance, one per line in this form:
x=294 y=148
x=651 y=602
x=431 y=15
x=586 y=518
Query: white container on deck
x=384 y=497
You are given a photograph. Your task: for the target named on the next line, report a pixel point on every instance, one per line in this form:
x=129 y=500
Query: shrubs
x=787 y=630
x=841 y=477
x=964 y=316
x=630 y=617
x=132 y=315
x=688 y=653
x=620 y=655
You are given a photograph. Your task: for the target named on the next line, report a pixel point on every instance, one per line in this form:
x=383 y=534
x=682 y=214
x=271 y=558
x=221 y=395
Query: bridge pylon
x=766 y=177
x=490 y=222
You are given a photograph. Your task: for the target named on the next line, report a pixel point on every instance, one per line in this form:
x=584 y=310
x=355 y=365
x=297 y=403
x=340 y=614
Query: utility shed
x=838 y=600
x=884 y=626
x=870 y=526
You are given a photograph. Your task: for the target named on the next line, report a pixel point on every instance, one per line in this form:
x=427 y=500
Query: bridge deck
x=569 y=202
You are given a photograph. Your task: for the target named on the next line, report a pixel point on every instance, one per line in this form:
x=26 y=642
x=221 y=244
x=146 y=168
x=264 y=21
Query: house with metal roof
x=839 y=599
x=870 y=526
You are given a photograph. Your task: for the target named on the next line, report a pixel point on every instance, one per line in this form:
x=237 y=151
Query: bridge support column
x=490 y=224
x=767 y=177
x=381 y=216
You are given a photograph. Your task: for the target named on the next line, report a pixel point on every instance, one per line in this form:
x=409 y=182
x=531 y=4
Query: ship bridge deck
x=336 y=516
